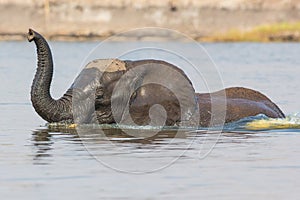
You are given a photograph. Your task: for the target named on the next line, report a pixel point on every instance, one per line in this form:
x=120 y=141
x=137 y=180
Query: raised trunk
x=48 y=108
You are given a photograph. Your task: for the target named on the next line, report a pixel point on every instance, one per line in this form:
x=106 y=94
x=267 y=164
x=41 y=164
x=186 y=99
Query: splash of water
x=253 y=123
x=290 y=122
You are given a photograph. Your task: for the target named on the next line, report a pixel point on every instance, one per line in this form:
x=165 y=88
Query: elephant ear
x=91 y=87
x=150 y=82
x=86 y=82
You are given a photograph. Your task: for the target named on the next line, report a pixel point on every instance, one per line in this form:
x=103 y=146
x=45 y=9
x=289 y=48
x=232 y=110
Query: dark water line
x=14 y=104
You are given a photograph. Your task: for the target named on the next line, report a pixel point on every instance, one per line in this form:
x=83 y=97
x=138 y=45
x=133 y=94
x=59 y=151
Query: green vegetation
x=263 y=33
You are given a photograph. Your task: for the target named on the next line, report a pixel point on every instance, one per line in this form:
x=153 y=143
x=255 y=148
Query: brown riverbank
x=205 y=20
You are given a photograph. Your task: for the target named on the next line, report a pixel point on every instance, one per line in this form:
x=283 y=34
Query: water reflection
x=42 y=141
x=117 y=139
x=43 y=138
x=114 y=147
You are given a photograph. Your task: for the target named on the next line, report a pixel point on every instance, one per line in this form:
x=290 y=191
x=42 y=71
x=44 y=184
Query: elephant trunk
x=48 y=108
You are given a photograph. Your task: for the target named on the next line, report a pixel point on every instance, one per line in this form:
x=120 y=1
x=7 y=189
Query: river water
x=37 y=162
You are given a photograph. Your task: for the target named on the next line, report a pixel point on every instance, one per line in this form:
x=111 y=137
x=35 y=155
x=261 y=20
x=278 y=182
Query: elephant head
x=114 y=91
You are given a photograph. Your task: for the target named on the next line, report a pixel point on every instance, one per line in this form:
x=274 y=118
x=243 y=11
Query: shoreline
x=231 y=36
x=205 y=20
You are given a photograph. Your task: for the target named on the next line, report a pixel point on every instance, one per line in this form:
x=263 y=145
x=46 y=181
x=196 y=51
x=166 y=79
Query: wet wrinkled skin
x=101 y=90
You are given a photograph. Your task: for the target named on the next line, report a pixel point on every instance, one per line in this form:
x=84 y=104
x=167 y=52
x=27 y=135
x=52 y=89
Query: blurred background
x=203 y=20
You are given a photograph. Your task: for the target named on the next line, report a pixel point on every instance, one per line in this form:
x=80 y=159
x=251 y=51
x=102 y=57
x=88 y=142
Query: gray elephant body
x=115 y=91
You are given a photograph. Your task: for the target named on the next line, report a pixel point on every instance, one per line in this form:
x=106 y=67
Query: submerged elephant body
x=115 y=91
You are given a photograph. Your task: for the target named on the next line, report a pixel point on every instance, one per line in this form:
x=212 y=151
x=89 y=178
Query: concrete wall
x=65 y=19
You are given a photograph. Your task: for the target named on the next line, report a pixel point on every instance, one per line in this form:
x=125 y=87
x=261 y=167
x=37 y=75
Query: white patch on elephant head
x=107 y=65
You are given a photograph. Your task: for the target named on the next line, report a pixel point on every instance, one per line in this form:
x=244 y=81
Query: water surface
x=41 y=163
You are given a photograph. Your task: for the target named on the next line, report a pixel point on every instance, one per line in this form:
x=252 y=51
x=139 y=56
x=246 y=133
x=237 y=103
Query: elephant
x=124 y=91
